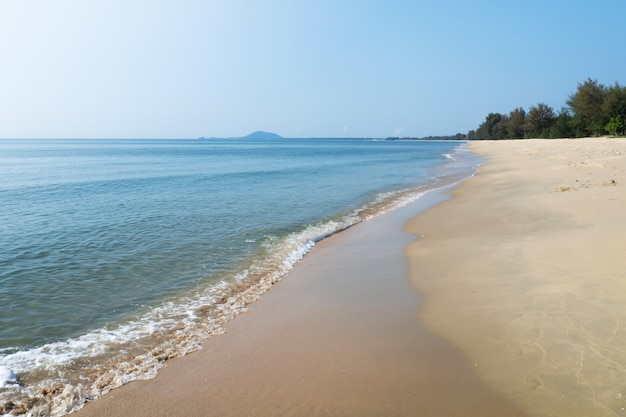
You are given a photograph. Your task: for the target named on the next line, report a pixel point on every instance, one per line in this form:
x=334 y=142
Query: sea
x=117 y=255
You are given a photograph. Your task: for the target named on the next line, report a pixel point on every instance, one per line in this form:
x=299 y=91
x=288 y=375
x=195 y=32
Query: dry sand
x=524 y=270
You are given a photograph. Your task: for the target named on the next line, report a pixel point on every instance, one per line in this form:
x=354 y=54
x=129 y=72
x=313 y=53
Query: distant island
x=259 y=134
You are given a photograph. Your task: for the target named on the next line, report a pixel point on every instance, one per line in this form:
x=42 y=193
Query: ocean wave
x=59 y=377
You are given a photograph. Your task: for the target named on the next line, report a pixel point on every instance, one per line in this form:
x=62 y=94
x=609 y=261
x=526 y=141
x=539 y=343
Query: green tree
x=587 y=106
x=491 y=128
x=499 y=129
x=614 y=104
x=514 y=125
x=592 y=110
x=539 y=120
x=615 y=126
x=561 y=128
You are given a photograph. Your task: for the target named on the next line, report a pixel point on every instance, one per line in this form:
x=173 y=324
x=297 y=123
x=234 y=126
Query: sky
x=299 y=68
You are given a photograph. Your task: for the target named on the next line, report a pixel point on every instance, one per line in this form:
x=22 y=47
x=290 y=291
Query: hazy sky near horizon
x=300 y=68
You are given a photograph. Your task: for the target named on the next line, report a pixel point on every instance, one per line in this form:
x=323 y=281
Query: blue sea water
x=116 y=255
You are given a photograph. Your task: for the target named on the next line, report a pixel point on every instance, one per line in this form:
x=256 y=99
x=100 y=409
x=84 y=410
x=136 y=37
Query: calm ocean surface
x=116 y=255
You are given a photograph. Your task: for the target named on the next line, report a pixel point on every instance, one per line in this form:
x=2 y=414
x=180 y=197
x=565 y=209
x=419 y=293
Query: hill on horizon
x=259 y=134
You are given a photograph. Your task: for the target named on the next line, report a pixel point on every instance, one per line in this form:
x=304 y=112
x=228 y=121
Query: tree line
x=592 y=110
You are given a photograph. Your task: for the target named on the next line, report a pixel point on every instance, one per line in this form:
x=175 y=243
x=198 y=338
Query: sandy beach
x=518 y=309
x=524 y=270
x=338 y=337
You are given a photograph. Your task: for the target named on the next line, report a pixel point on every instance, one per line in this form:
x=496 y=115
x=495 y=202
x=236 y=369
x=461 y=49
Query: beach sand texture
x=338 y=337
x=524 y=270
x=523 y=294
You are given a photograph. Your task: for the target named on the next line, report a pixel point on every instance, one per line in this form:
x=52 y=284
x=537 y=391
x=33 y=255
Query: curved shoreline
x=339 y=337
x=104 y=359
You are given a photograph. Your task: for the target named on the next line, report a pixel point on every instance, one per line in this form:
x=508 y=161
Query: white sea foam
x=7 y=378
x=176 y=327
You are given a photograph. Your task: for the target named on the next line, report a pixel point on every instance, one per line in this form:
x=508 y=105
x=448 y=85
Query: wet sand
x=339 y=337
x=524 y=271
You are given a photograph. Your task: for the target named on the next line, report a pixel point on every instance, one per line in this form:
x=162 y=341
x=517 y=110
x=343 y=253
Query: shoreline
x=231 y=275
x=536 y=293
x=333 y=339
x=525 y=321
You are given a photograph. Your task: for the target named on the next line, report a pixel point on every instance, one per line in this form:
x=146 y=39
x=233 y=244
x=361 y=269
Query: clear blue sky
x=300 y=68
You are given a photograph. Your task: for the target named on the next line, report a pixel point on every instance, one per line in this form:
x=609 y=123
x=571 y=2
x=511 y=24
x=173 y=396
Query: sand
x=338 y=337
x=524 y=270
x=521 y=282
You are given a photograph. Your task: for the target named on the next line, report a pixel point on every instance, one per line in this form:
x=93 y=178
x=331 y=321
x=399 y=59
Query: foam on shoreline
x=339 y=337
x=59 y=377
